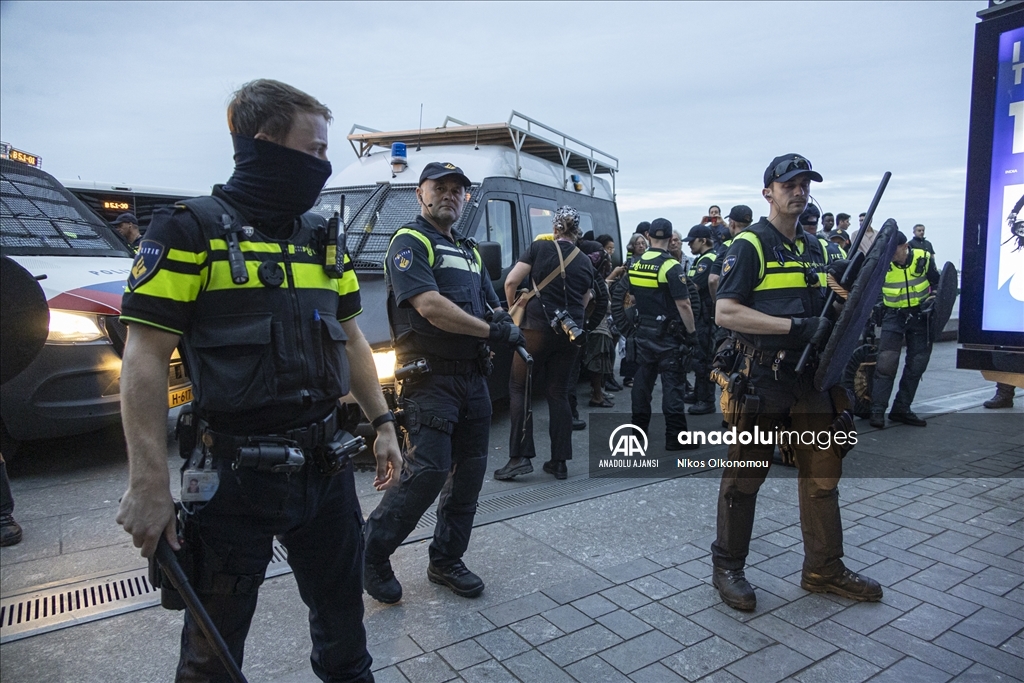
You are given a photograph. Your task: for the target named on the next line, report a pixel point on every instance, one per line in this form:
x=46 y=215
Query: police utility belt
x=331 y=448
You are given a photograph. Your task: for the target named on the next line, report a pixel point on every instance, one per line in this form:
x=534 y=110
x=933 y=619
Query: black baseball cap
x=789 y=166
x=839 y=232
x=661 y=228
x=126 y=218
x=436 y=169
x=741 y=213
x=641 y=228
x=697 y=232
x=901 y=238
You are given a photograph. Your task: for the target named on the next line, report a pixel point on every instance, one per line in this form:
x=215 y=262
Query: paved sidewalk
x=617 y=588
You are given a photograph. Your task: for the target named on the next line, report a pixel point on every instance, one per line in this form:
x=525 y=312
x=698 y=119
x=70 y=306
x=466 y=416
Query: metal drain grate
x=43 y=610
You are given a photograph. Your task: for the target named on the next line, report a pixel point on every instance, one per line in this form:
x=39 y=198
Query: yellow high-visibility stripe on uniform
x=776 y=275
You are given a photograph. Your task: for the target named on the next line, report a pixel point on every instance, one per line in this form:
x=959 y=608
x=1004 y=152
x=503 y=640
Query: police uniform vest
x=705 y=259
x=274 y=339
x=791 y=281
x=648 y=282
x=457 y=269
x=907 y=286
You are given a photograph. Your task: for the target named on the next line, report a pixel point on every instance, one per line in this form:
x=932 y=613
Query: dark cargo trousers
x=703 y=385
x=897 y=325
x=818 y=474
x=673 y=386
x=437 y=461
x=317 y=519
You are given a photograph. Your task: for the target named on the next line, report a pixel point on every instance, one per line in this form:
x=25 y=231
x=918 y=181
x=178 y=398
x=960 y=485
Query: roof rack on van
x=520 y=132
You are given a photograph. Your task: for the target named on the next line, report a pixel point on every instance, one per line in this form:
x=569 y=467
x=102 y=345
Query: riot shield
x=945 y=297
x=26 y=319
x=862 y=297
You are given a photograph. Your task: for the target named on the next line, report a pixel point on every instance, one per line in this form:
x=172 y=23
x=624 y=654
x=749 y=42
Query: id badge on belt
x=199 y=481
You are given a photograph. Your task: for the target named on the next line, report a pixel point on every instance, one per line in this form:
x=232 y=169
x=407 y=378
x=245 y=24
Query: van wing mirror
x=490 y=252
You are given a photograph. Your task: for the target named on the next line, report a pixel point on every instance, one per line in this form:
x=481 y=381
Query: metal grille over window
x=37 y=215
x=373 y=213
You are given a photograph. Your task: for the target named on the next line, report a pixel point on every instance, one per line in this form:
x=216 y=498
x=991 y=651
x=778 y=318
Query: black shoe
x=676 y=446
x=877 y=419
x=10 y=531
x=844 y=583
x=627 y=381
x=605 y=402
x=380 y=583
x=578 y=424
x=736 y=592
x=462 y=581
x=557 y=468
x=690 y=397
x=701 y=408
x=907 y=417
x=513 y=468
x=1002 y=399
x=611 y=385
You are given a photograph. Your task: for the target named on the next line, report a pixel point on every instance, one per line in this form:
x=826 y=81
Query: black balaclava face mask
x=274 y=184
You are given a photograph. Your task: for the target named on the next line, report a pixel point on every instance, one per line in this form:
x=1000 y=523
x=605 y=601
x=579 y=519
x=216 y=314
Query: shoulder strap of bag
x=525 y=298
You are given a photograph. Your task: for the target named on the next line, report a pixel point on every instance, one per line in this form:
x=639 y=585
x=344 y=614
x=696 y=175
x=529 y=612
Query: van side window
x=497 y=224
x=540 y=219
x=586 y=224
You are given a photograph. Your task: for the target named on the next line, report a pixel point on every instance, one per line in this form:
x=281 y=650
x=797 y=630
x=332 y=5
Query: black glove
x=506 y=333
x=812 y=331
x=498 y=315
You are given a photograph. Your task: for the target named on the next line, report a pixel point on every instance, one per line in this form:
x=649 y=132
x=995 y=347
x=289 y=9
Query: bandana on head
x=567 y=220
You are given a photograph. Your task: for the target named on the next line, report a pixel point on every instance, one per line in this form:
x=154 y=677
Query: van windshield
x=373 y=213
x=39 y=217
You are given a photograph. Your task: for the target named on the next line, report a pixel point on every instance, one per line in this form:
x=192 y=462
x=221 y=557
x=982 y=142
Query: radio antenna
x=420 y=133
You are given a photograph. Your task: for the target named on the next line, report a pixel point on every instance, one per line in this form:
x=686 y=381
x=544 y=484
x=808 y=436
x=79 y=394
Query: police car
x=522 y=171
x=73 y=385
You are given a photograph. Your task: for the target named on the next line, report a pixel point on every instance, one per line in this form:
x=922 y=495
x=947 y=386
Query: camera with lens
x=563 y=321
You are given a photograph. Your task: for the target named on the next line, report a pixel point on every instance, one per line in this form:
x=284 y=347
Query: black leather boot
x=734 y=588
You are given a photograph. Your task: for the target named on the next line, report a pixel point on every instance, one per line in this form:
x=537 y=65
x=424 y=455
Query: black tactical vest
x=458 y=272
x=273 y=340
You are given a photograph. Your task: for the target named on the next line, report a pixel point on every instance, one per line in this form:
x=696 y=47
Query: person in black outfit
x=700 y=241
x=553 y=341
x=442 y=309
x=663 y=327
x=268 y=326
x=771 y=296
x=919 y=242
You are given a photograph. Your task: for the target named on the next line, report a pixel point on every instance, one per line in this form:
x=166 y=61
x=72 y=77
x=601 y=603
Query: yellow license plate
x=179 y=397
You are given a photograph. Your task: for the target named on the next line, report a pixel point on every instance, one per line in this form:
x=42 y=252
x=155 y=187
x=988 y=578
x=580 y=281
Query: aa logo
x=628 y=443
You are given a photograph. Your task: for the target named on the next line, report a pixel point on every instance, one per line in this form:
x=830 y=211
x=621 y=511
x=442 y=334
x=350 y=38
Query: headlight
x=67 y=327
x=385 y=362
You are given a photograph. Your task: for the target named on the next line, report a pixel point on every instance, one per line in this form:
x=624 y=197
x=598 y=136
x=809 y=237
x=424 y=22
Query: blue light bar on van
x=399 y=157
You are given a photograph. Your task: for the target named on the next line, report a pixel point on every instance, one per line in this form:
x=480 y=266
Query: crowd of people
x=266 y=443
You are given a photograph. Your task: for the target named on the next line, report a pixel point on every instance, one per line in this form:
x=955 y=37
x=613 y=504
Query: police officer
x=700 y=241
x=664 y=322
x=127 y=226
x=438 y=299
x=907 y=285
x=838 y=244
x=740 y=218
x=267 y=324
x=771 y=296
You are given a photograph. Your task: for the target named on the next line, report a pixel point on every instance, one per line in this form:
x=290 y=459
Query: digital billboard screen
x=1003 y=303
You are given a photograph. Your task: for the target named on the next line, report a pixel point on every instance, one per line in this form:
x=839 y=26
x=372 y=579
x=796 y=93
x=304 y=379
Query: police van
x=73 y=385
x=522 y=170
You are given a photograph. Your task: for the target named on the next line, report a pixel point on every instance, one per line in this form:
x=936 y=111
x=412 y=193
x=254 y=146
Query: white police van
x=73 y=385
x=522 y=170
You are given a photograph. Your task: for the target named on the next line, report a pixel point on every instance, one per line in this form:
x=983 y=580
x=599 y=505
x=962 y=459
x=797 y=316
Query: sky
x=694 y=99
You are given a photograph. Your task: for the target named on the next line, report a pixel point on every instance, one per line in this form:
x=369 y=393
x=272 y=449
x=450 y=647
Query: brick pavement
x=949 y=552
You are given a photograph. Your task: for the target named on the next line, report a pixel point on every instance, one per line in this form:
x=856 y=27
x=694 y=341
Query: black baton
x=831 y=298
x=528 y=397
x=172 y=570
